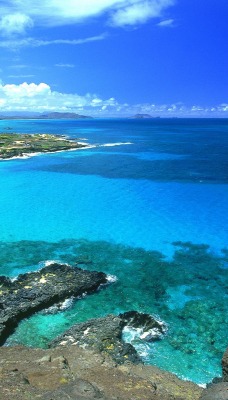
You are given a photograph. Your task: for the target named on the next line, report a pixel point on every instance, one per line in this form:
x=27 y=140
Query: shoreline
x=39 y=153
x=84 y=147
x=13 y=145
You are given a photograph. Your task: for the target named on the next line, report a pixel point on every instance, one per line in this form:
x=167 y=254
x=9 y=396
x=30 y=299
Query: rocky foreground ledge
x=90 y=360
x=36 y=291
x=70 y=372
x=73 y=373
x=105 y=335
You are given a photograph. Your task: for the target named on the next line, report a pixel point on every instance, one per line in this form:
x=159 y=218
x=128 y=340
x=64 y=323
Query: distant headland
x=52 y=115
x=58 y=115
x=22 y=145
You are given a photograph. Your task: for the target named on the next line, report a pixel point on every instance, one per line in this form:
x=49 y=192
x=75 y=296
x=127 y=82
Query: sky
x=115 y=58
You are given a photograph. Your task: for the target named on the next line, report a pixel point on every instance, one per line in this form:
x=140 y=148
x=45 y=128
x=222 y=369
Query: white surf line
x=87 y=146
x=114 y=144
x=29 y=155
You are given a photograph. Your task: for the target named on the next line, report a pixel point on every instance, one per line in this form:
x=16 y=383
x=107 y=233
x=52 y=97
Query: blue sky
x=115 y=57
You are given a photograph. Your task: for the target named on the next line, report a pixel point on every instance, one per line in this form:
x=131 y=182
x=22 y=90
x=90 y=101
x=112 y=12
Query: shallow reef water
x=149 y=206
x=187 y=292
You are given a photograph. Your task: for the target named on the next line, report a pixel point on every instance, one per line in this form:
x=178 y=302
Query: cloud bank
x=17 y=16
x=41 y=98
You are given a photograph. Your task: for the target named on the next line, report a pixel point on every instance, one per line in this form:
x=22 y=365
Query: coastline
x=39 y=153
x=13 y=145
x=84 y=147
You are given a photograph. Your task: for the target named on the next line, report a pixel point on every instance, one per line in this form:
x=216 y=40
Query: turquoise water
x=151 y=208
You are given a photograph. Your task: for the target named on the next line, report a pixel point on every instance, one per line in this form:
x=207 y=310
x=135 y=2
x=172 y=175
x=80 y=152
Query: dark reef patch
x=117 y=166
x=186 y=292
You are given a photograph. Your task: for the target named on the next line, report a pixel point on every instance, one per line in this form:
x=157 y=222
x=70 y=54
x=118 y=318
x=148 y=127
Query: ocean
x=148 y=205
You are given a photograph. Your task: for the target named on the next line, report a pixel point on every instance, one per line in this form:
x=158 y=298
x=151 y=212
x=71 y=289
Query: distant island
x=19 y=145
x=58 y=115
x=52 y=115
x=142 y=116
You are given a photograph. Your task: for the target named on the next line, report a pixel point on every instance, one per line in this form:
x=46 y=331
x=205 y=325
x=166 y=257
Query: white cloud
x=65 y=65
x=224 y=107
x=139 y=12
x=37 y=43
x=96 y=101
x=24 y=90
x=166 y=23
x=197 y=108
x=14 y=24
x=31 y=42
x=40 y=98
x=21 y=76
x=58 y=12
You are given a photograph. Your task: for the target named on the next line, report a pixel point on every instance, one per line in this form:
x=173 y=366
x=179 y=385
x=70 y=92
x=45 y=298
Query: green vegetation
x=17 y=145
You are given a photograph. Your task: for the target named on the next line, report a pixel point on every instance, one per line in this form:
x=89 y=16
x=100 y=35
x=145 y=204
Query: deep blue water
x=150 y=208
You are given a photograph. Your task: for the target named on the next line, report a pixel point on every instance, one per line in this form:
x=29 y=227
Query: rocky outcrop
x=218 y=390
x=101 y=334
x=105 y=335
x=148 y=327
x=225 y=366
x=73 y=373
x=35 y=291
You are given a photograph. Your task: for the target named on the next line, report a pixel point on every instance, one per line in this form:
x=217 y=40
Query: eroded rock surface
x=218 y=391
x=105 y=334
x=101 y=334
x=35 y=291
x=73 y=373
x=150 y=328
x=225 y=366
